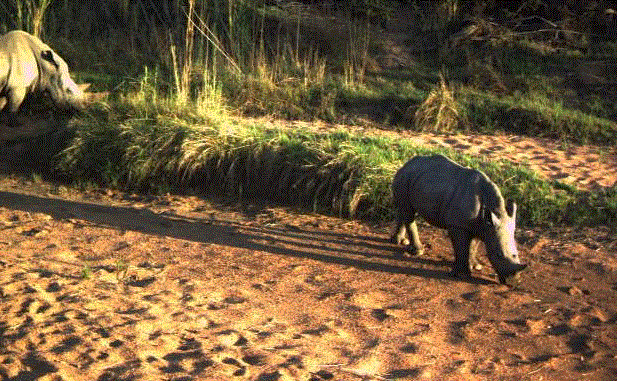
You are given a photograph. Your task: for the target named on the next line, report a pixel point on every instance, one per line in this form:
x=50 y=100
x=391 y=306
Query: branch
x=520 y=21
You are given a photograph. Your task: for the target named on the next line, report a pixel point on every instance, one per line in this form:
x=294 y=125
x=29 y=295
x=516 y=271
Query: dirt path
x=585 y=167
x=109 y=286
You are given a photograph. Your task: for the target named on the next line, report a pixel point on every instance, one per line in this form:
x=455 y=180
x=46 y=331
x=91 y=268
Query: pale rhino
x=27 y=65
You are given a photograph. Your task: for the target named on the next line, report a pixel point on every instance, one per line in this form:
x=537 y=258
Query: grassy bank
x=146 y=147
x=536 y=115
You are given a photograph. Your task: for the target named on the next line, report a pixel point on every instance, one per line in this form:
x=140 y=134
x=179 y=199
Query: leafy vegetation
x=440 y=111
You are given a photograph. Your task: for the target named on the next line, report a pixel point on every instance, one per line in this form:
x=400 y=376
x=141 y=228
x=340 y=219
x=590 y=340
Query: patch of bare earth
x=112 y=286
x=585 y=167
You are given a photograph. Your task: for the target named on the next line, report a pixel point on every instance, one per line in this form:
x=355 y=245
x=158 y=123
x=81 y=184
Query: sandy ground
x=585 y=167
x=102 y=285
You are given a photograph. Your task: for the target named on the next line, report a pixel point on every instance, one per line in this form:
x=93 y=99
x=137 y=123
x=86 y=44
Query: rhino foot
x=411 y=250
x=395 y=239
x=514 y=278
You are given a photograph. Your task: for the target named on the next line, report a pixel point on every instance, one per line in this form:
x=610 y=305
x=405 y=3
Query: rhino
x=461 y=200
x=27 y=65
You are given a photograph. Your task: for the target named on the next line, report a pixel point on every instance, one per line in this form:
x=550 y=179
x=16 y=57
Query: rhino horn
x=495 y=219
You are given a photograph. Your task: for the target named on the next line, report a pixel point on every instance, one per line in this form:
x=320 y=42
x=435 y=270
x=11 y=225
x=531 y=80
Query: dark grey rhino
x=28 y=65
x=462 y=200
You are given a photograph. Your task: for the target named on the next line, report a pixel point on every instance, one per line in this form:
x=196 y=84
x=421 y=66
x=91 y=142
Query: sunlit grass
x=339 y=172
x=440 y=112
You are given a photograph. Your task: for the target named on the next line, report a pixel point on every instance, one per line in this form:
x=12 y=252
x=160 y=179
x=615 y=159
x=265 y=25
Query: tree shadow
x=367 y=253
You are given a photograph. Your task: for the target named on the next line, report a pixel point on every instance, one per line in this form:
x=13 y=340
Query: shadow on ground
x=364 y=252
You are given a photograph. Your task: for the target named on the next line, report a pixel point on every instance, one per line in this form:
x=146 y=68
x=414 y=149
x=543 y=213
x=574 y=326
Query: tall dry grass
x=28 y=15
x=440 y=112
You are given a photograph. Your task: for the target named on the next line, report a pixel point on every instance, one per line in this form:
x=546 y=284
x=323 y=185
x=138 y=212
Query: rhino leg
x=474 y=264
x=15 y=98
x=406 y=226
x=399 y=236
x=10 y=104
x=461 y=243
x=412 y=228
x=7 y=118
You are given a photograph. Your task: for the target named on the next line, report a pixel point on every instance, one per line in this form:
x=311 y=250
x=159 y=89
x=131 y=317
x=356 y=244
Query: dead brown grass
x=440 y=112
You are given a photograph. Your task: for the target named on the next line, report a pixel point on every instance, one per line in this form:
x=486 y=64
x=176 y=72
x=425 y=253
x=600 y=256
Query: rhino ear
x=495 y=219
x=511 y=209
x=48 y=55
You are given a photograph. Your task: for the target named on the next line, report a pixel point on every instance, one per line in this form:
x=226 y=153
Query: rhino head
x=500 y=243
x=55 y=79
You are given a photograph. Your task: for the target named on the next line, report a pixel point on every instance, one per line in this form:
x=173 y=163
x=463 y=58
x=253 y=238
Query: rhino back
x=18 y=59
x=443 y=192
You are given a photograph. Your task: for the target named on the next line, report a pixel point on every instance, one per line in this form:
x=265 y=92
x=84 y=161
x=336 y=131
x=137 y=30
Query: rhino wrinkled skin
x=27 y=65
x=461 y=200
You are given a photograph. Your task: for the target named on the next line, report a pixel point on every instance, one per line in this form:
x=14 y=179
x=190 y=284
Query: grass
x=86 y=272
x=440 y=111
x=444 y=108
x=145 y=146
x=293 y=64
x=535 y=115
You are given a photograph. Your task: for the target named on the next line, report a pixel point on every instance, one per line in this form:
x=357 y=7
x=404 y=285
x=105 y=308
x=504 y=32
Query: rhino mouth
x=512 y=275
